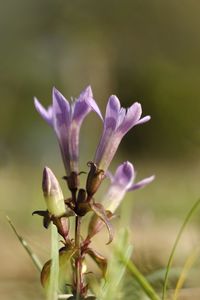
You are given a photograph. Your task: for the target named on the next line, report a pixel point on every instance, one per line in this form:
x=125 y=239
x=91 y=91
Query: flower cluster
x=66 y=119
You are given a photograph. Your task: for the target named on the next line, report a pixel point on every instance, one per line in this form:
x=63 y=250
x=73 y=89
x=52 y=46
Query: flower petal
x=61 y=110
x=81 y=105
x=124 y=175
x=112 y=112
x=141 y=183
x=46 y=114
x=131 y=118
x=121 y=182
x=91 y=102
x=144 y=120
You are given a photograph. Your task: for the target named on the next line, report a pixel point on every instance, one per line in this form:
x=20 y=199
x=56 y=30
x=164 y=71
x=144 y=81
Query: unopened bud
x=53 y=193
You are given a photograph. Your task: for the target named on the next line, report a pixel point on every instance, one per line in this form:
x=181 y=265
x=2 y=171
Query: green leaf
x=111 y=287
x=64 y=257
x=142 y=281
x=186 y=221
x=28 y=249
x=52 y=290
x=186 y=268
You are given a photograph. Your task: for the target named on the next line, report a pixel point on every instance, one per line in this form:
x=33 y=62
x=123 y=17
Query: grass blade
x=52 y=291
x=32 y=255
x=186 y=221
x=144 y=284
x=186 y=268
x=116 y=269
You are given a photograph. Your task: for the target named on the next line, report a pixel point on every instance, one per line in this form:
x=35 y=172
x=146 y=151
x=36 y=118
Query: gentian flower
x=118 y=121
x=122 y=182
x=66 y=120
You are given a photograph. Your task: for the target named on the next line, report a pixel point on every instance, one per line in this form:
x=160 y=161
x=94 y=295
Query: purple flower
x=121 y=183
x=118 y=121
x=66 y=120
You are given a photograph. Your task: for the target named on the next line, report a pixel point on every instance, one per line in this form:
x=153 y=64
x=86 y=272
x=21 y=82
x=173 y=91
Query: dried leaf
x=102 y=214
x=100 y=260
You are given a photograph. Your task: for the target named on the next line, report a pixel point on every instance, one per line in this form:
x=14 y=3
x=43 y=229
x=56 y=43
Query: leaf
x=45 y=215
x=101 y=213
x=64 y=256
x=142 y=281
x=28 y=249
x=186 y=268
x=111 y=288
x=100 y=260
x=96 y=224
x=52 y=288
x=181 y=230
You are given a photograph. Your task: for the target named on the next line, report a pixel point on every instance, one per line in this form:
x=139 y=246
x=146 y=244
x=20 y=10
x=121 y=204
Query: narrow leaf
x=96 y=224
x=100 y=260
x=186 y=221
x=101 y=213
x=186 y=268
x=52 y=291
x=32 y=255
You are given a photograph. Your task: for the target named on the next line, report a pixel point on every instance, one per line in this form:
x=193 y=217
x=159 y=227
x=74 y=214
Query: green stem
x=147 y=288
x=78 y=262
x=52 y=292
x=175 y=245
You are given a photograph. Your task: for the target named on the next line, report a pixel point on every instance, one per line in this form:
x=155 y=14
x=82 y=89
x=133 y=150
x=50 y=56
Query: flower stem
x=78 y=259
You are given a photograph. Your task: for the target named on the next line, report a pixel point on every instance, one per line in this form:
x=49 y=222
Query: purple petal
x=121 y=116
x=87 y=93
x=141 y=183
x=81 y=105
x=132 y=117
x=61 y=110
x=124 y=175
x=112 y=112
x=81 y=109
x=46 y=114
x=144 y=120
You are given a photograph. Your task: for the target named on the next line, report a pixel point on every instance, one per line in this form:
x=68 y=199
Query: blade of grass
x=157 y=276
x=32 y=255
x=186 y=268
x=110 y=289
x=144 y=284
x=52 y=292
x=186 y=221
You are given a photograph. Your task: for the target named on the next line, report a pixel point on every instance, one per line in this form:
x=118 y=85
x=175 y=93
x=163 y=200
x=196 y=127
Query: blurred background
x=146 y=51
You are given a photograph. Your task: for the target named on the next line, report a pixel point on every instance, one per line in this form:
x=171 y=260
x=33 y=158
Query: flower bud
x=53 y=194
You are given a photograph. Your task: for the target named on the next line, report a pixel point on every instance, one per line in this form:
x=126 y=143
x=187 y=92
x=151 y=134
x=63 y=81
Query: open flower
x=66 y=120
x=118 y=121
x=122 y=182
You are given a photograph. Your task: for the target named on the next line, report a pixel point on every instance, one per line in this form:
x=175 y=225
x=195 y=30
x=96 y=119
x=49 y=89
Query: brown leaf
x=103 y=215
